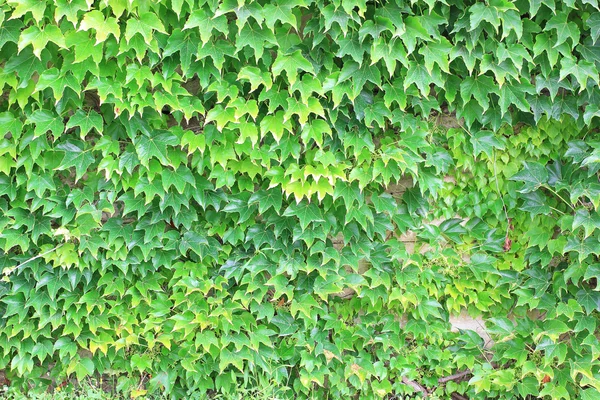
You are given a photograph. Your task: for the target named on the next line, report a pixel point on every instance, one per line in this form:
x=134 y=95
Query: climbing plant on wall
x=197 y=196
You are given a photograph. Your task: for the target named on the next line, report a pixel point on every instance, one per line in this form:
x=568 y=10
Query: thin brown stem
x=415 y=385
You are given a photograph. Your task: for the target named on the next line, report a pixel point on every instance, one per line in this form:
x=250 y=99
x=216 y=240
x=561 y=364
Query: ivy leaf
x=39 y=38
x=45 y=121
x=590 y=300
x=515 y=95
x=481 y=12
x=155 y=146
x=535 y=203
x=583 y=247
x=70 y=10
x=478 y=88
x=145 y=25
x=184 y=43
x=86 y=122
x=270 y=198
x=291 y=63
x=84 y=47
x=350 y=45
x=533 y=175
x=337 y=15
x=418 y=75
x=564 y=29
x=275 y=124
x=360 y=76
x=315 y=130
x=83 y=367
x=281 y=11
x=103 y=26
x=512 y=21
x=589 y=221
x=217 y=50
x=413 y=30
x=349 y=193
x=257 y=38
x=391 y=53
x=307 y=213
x=437 y=53
x=10 y=124
x=486 y=142
x=582 y=71
x=76 y=157
x=256 y=77
x=534 y=6
x=10 y=31
x=57 y=81
x=206 y=23
x=593 y=22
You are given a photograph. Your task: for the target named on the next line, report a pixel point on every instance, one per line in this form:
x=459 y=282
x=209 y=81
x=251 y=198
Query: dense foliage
x=195 y=196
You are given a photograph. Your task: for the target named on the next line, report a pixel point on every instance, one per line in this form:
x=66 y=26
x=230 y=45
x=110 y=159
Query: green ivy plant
x=198 y=196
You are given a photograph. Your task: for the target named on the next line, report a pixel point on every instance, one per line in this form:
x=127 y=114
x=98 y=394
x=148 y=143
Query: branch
x=454 y=377
x=415 y=385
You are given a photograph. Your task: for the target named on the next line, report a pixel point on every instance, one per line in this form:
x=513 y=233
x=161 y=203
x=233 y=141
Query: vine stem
x=500 y=195
x=415 y=385
x=11 y=270
x=560 y=197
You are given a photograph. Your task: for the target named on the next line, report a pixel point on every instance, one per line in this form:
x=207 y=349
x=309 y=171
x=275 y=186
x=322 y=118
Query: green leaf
x=583 y=247
x=280 y=11
x=535 y=203
x=533 y=175
x=534 y=6
x=307 y=213
x=564 y=29
x=183 y=43
x=10 y=31
x=57 y=81
x=83 y=367
x=103 y=26
x=145 y=25
x=478 y=88
x=419 y=75
x=155 y=146
x=582 y=71
x=589 y=221
x=391 y=53
x=217 y=50
x=39 y=38
x=10 y=124
x=45 y=121
x=86 y=122
x=206 y=23
x=75 y=157
x=291 y=63
x=256 y=38
x=70 y=10
x=349 y=193
x=486 y=142
x=360 y=75
x=437 y=53
x=350 y=45
x=514 y=95
x=275 y=124
x=593 y=22
x=22 y=7
x=265 y=199
x=315 y=130
x=480 y=12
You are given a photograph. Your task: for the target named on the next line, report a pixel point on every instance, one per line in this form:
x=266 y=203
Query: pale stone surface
x=465 y=322
x=459 y=322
